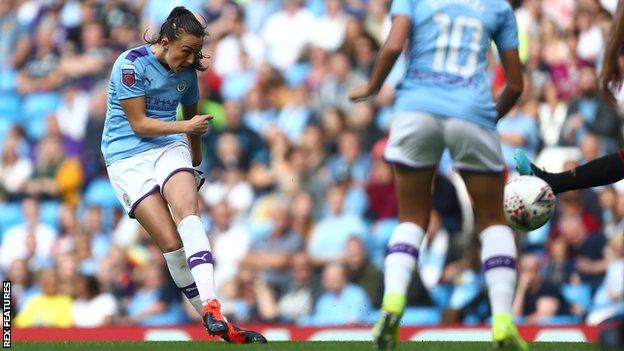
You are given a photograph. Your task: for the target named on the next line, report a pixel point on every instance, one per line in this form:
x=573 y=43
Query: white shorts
x=136 y=177
x=417 y=140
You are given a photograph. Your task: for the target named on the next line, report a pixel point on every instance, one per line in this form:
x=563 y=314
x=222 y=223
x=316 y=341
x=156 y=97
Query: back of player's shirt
x=447 y=56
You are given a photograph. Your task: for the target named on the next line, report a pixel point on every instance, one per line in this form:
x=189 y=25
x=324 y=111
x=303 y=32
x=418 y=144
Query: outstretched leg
x=601 y=171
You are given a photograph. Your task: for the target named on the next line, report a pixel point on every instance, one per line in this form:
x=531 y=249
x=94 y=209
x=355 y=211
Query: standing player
x=445 y=100
x=148 y=160
x=604 y=170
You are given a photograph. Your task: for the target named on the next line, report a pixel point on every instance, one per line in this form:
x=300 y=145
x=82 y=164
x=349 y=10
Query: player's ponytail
x=181 y=20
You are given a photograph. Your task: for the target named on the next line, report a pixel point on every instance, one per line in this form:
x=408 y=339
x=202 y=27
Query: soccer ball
x=529 y=203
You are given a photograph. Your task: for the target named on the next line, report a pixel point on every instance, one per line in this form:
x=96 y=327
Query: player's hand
x=198 y=124
x=360 y=93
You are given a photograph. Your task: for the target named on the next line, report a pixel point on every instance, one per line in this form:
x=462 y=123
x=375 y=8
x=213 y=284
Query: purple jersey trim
x=136 y=53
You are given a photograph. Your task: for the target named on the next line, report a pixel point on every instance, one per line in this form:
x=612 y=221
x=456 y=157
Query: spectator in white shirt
x=30 y=240
x=91 y=307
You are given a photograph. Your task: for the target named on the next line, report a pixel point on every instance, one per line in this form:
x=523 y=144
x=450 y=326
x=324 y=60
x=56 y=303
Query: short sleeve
x=506 y=35
x=401 y=7
x=128 y=79
x=191 y=95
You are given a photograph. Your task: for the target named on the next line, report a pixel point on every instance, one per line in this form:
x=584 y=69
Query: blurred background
x=299 y=203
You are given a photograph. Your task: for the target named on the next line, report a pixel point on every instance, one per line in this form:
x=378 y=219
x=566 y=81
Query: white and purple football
x=529 y=203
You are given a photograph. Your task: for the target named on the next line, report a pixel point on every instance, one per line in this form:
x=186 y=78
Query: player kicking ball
x=445 y=101
x=149 y=162
x=609 y=168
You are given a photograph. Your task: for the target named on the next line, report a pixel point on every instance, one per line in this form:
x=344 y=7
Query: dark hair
x=181 y=20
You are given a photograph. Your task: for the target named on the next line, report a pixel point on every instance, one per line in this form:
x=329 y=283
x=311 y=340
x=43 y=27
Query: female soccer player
x=149 y=163
x=609 y=168
x=445 y=100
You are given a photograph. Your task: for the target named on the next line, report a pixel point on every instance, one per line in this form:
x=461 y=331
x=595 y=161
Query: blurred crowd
x=299 y=203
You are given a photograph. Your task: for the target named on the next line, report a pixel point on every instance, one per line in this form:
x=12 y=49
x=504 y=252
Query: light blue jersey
x=138 y=73
x=447 y=56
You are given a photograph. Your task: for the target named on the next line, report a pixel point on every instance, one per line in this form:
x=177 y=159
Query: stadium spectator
x=230 y=240
x=30 y=240
x=15 y=170
x=57 y=306
x=92 y=308
x=588 y=112
x=271 y=255
x=248 y=298
x=535 y=298
x=23 y=286
x=587 y=250
x=519 y=130
x=329 y=237
x=361 y=271
x=153 y=304
x=341 y=303
x=609 y=298
x=300 y=296
x=559 y=268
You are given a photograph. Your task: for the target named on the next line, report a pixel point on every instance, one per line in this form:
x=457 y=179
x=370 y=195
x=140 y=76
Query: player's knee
x=171 y=245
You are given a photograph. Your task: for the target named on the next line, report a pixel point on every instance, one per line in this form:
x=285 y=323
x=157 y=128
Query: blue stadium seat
x=100 y=193
x=49 y=213
x=560 y=319
x=5 y=126
x=35 y=109
x=414 y=316
x=8 y=80
x=577 y=294
x=11 y=215
x=9 y=106
x=380 y=234
x=441 y=294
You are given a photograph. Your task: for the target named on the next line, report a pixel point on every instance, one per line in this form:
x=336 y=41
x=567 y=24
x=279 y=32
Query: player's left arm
x=514 y=82
x=506 y=39
x=188 y=112
x=388 y=55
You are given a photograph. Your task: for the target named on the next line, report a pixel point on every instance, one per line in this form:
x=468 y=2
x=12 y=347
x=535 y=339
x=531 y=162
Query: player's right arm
x=390 y=51
x=145 y=127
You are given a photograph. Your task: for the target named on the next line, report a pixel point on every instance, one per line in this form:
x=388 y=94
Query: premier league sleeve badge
x=128 y=77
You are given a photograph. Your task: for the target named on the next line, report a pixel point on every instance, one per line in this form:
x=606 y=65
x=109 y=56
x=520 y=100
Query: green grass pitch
x=286 y=346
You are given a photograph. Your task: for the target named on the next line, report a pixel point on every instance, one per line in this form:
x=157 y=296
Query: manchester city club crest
x=126 y=199
x=181 y=86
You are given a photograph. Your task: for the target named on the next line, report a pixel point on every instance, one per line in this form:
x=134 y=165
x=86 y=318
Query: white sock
x=198 y=256
x=401 y=257
x=498 y=257
x=181 y=274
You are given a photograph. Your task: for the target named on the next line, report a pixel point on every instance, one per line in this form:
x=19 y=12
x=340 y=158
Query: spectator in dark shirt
x=361 y=271
x=535 y=298
x=587 y=250
x=272 y=255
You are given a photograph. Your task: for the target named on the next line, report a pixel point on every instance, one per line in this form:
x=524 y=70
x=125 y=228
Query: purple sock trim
x=190 y=291
x=499 y=261
x=198 y=258
x=402 y=248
